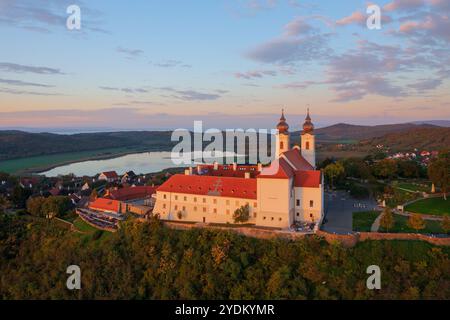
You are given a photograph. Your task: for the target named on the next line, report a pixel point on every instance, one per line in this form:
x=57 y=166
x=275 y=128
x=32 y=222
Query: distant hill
x=429 y=139
x=19 y=144
x=349 y=132
x=440 y=123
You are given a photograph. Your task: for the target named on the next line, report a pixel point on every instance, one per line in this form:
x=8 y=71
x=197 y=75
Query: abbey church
x=288 y=190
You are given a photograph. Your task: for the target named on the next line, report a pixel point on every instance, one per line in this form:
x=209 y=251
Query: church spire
x=308 y=126
x=282 y=126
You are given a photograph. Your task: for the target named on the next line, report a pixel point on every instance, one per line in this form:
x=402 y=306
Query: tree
x=387 y=219
x=242 y=214
x=52 y=206
x=4 y=204
x=333 y=171
x=34 y=206
x=56 y=206
x=445 y=224
x=386 y=168
x=416 y=222
x=439 y=172
x=408 y=169
x=20 y=195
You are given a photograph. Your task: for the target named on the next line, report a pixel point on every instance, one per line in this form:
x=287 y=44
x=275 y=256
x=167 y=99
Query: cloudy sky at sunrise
x=232 y=63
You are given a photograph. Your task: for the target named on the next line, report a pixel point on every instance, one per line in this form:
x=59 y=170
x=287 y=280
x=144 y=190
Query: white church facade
x=288 y=190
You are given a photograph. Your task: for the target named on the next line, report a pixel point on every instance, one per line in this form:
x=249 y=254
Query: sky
x=229 y=63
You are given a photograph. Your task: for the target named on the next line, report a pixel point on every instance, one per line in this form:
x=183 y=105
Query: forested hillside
x=421 y=138
x=19 y=144
x=148 y=261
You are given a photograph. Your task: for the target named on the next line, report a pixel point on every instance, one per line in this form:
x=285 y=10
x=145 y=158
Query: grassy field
x=362 y=221
x=434 y=206
x=401 y=226
x=83 y=226
x=26 y=165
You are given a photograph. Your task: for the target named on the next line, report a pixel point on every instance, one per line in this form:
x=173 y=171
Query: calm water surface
x=138 y=162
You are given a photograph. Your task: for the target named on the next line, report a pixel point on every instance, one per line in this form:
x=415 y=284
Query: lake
x=148 y=162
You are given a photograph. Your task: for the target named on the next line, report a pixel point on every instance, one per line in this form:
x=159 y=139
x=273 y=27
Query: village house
x=109 y=176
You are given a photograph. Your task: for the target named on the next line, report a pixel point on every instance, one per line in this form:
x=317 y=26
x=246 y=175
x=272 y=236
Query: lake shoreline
x=38 y=170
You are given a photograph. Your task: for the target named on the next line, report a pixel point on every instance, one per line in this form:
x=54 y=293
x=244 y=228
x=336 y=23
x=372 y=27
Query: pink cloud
x=404 y=5
x=355 y=17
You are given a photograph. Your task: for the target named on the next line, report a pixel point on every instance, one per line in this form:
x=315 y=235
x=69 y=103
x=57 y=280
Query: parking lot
x=339 y=206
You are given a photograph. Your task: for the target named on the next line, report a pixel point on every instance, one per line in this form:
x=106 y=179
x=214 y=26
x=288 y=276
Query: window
x=165 y=196
x=298 y=214
x=204 y=209
x=273 y=218
x=164 y=206
x=228 y=202
x=228 y=211
x=204 y=200
x=264 y=218
x=280 y=219
x=311 y=203
x=298 y=203
x=254 y=215
x=184 y=208
x=215 y=210
x=195 y=208
x=195 y=199
x=307 y=145
x=255 y=205
x=185 y=198
x=176 y=207
x=176 y=197
x=281 y=145
x=311 y=215
x=215 y=201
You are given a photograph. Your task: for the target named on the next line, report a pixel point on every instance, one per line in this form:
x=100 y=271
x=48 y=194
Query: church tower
x=282 y=136
x=308 y=141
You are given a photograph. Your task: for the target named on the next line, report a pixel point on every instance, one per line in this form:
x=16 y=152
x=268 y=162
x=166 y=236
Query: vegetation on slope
x=148 y=261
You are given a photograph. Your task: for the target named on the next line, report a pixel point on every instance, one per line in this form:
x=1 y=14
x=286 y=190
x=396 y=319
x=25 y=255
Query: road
x=339 y=207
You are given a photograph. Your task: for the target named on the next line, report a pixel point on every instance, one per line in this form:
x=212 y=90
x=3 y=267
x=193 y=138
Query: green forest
x=150 y=261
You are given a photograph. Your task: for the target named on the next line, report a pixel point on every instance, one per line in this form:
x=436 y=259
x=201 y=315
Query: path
x=376 y=224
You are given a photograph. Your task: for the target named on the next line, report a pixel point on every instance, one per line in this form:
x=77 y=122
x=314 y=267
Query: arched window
x=307 y=145
x=281 y=145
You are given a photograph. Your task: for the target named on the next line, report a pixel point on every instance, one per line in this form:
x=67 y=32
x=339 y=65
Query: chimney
x=187 y=172
x=234 y=166
x=259 y=166
x=216 y=165
x=247 y=175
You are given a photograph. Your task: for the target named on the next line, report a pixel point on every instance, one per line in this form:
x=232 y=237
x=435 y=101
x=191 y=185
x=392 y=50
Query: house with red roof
x=287 y=191
x=109 y=176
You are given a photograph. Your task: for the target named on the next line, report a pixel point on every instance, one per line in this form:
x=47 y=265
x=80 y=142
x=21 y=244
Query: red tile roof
x=227 y=170
x=296 y=159
x=111 y=174
x=132 y=193
x=278 y=169
x=308 y=179
x=102 y=204
x=211 y=186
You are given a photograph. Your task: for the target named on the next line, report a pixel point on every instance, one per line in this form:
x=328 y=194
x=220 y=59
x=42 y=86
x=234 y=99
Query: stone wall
x=346 y=240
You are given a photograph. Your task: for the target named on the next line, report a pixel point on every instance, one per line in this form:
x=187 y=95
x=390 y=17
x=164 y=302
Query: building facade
x=286 y=191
